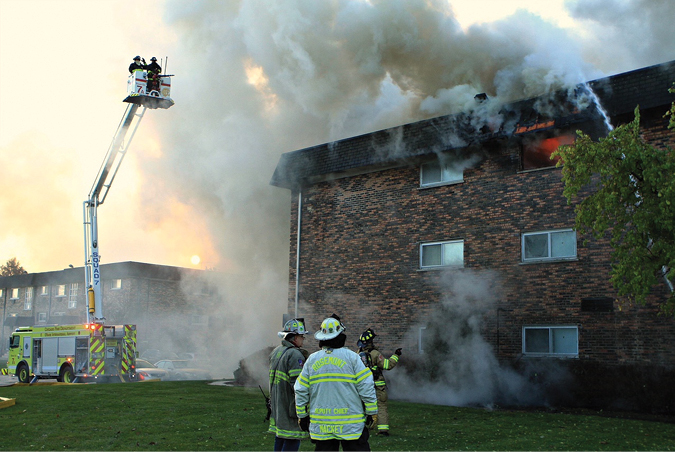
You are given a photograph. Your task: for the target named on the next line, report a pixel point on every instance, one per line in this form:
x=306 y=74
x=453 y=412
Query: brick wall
x=360 y=258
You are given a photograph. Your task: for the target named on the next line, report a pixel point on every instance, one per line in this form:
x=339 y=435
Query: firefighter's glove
x=371 y=421
x=398 y=351
x=303 y=422
x=143 y=60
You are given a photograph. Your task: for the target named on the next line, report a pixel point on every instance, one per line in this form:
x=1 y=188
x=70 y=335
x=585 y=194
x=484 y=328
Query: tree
x=627 y=191
x=12 y=267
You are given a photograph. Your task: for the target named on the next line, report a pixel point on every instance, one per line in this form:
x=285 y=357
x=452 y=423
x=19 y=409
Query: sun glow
x=256 y=77
x=195 y=260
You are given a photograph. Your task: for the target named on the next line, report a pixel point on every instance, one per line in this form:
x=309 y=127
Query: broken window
x=536 y=152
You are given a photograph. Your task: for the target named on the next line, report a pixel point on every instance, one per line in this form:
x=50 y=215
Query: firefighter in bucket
x=154 y=70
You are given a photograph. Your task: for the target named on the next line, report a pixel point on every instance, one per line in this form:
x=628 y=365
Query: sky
x=254 y=79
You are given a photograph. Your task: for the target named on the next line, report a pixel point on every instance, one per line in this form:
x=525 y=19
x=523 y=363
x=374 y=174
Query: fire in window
x=537 y=151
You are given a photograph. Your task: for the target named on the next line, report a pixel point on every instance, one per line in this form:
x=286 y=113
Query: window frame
x=445 y=169
x=441 y=266
x=116 y=284
x=551 y=340
x=60 y=290
x=549 y=258
x=28 y=299
x=44 y=290
x=15 y=293
x=420 y=339
x=72 y=295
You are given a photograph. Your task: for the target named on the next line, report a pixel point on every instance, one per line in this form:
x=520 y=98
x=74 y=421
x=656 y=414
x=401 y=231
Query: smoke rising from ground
x=458 y=366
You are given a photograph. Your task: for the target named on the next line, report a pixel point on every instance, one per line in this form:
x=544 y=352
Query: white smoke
x=257 y=78
x=458 y=366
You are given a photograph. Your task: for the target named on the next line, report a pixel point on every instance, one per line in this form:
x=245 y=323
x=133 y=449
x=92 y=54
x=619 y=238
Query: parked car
x=182 y=369
x=153 y=355
x=145 y=370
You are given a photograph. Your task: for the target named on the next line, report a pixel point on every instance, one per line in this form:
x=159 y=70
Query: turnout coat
x=340 y=392
x=286 y=362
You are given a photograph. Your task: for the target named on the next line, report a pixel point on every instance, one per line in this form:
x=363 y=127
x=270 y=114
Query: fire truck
x=92 y=350
x=73 y=353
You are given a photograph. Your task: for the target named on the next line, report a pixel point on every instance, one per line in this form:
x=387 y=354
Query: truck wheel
x=23 y=374
x=66 y=375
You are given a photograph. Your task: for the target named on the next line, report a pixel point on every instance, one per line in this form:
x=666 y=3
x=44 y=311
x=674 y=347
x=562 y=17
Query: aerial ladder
x=140 y=96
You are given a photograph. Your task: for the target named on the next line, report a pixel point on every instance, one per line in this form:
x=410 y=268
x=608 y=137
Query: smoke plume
x=259 y=78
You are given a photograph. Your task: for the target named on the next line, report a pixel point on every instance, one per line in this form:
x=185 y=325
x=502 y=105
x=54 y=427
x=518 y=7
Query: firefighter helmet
x=294 y=326
x=330 y=328
x=137 y=57
x=366 y=337
x=153 y=59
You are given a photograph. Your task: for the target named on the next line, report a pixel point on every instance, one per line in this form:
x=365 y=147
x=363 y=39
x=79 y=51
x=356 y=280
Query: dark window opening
x=597 y=304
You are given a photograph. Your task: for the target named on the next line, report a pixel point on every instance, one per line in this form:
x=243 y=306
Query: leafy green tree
x=12 y=267
x=626 y=189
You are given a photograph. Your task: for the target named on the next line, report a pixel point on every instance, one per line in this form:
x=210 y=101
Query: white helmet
x=330 y=328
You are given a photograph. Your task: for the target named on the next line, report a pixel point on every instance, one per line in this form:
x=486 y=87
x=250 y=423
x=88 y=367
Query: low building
x=161 y=300
x=379 y=222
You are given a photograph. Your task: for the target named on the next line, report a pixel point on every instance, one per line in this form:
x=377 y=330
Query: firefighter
x=137 y=65
x=339 y=390
x=372 y=358
x=154 y=70
x=286 y=362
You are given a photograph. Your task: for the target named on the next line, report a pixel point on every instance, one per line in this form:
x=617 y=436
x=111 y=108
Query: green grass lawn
x=196 y=416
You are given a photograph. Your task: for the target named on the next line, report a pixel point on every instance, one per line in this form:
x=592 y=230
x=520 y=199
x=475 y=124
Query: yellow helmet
x=330 y=328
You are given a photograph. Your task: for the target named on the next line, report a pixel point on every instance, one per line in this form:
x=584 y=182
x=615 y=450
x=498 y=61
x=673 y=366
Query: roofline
x=619 y=94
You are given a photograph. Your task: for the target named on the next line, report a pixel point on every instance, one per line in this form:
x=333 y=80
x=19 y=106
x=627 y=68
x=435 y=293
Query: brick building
x=381 y=220
x=150 y=296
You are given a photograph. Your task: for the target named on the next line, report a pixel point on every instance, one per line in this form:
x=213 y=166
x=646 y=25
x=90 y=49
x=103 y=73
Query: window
x=28 y=299
x=421 y=338
x=549 y=245
x=437 y=173
x=61 y=290
x=72 y=296
x=44 y=290
x=442 y=254
x=116 y=284
x=15 y=294
x=2 y=293
x=42 y=317
x=552 y=340
x=537 y=153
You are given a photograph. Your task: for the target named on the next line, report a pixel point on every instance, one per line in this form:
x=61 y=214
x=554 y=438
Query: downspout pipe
x=297 y=254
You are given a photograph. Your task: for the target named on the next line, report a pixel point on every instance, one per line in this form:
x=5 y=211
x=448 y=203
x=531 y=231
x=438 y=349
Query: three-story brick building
x=379 y=222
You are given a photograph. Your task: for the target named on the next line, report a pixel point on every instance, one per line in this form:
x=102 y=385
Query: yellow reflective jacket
x=336 y=386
